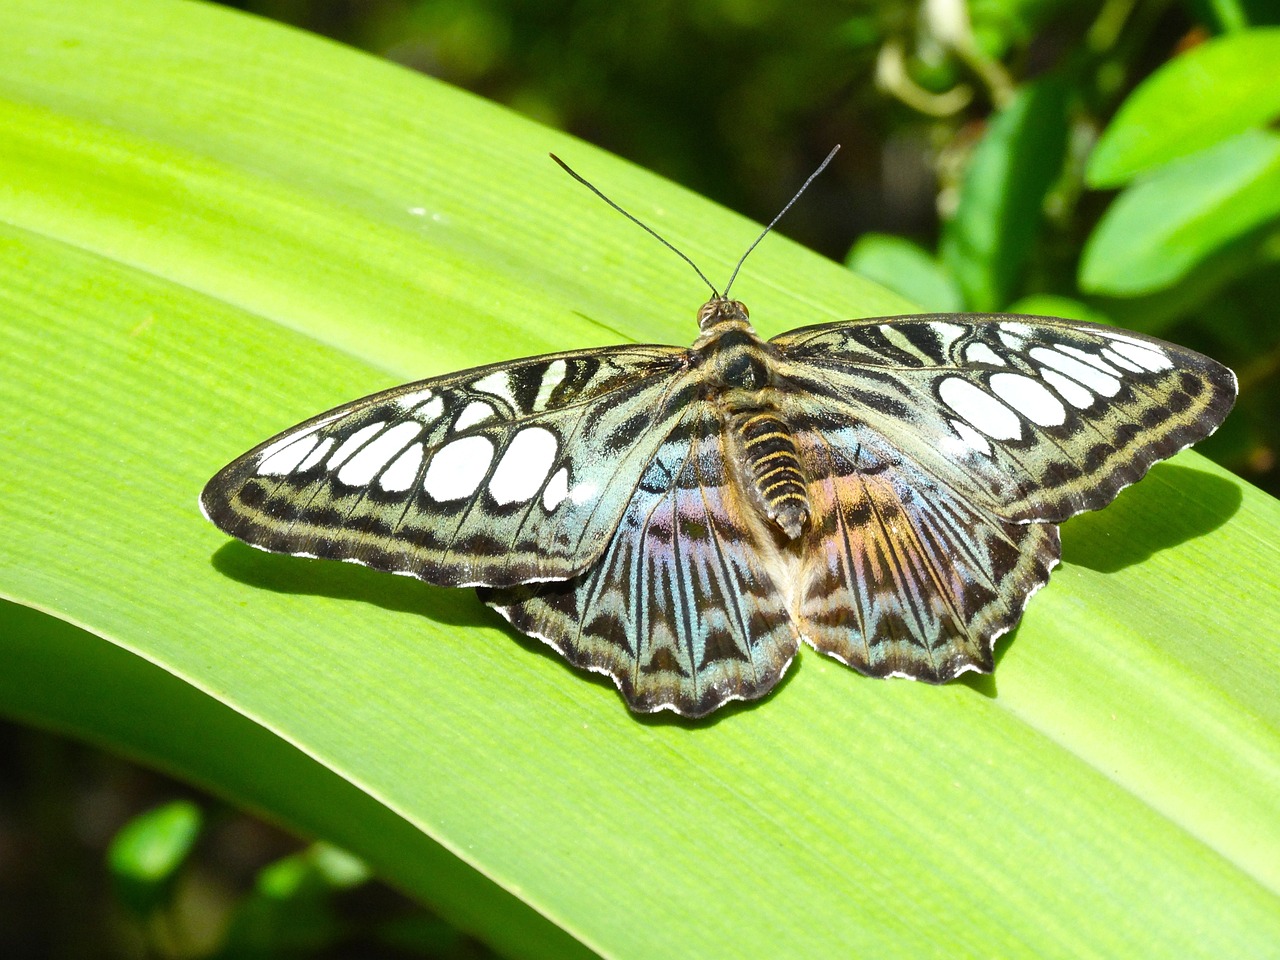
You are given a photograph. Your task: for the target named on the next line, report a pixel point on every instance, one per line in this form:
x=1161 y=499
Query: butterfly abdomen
x=774 y=468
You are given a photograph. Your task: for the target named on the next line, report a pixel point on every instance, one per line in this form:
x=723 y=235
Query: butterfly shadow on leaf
x=281 y=573
x=1172 y=505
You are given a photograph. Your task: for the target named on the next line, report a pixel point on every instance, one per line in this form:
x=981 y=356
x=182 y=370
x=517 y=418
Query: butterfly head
x=721 y=310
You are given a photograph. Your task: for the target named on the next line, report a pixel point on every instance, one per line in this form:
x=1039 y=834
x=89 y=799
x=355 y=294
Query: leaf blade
x=156 y=359
x=1208 y=94
x=1162 y=227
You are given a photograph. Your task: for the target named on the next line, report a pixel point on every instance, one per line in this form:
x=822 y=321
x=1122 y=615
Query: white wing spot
x=981 y=353
x=318 y=454
x=364 y=466
x=1146 y=357
x=1116 y=360
x=1091 y=377
x=457 y=470
x=1072 y=392
x=283 y=442
x=947 y=333
x=403 y=470
x=286 y=459
x=354 y=443
x=1014 y=335
x=477 y=411
x=556 y=490
x=431 y=411
x=552 y=377
x=583 y=492
x=1030 y=398
x=980 y=408
x=970 y=441
x=277 y=446
x=497 y=385
x=1093 y=359
x=408 y=401
x=524 y=466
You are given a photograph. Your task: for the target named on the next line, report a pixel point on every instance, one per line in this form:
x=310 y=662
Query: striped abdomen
x=774 y=468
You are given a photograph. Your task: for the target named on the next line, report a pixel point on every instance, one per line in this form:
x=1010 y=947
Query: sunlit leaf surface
x=211 y=227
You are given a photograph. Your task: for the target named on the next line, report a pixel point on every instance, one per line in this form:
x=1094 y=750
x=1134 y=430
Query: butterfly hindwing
x=497 y=475
x=900 y=575
x=686 y=608
x=1034 y=418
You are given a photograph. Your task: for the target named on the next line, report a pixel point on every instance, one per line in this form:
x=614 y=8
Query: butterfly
x=679 y=519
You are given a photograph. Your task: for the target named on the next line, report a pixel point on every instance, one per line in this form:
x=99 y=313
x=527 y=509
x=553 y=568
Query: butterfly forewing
x=498 y=475
x=1033 y=418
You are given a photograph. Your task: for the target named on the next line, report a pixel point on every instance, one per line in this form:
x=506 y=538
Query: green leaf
x=1052 y=305
x=1208 y=94
x=147 y=852
x=987 y=243
x=1159 y=229
x=321 y=867
x=212 y=227
x=907 y=269
x=290 y=912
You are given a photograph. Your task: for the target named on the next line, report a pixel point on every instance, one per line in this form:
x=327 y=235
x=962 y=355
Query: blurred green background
x=1109 y=160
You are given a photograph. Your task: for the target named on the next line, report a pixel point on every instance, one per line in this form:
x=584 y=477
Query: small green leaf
x=1157 y=230
x=321 y=864
x=1208 y=94
x=905 y=268
x=987 y=242
x=147 y=852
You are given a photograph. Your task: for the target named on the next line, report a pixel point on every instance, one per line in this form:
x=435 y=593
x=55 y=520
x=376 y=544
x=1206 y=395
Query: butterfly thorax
x=739 y=372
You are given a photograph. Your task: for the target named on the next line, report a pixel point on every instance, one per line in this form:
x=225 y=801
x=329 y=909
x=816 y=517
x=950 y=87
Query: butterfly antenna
x=803 y=187
x=640 y=223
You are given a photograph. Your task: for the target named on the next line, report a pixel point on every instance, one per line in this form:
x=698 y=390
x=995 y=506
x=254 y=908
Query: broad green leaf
x=147 y=852
x=1208 y=94
x=907 y=269
x=211 y=227
x=1163 y=226
x=986 y=244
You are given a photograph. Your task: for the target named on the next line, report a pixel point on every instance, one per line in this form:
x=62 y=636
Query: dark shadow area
x=1172 y=505
x=542 y=649
x=985 y=683
x=282 y=573
x=456 y=606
